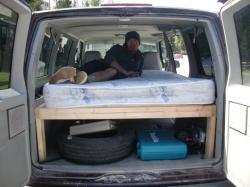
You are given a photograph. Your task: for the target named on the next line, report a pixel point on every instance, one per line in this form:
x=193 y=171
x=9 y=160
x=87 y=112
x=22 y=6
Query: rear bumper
x=147 y=178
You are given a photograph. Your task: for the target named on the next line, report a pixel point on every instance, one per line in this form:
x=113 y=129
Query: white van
x=215 y=50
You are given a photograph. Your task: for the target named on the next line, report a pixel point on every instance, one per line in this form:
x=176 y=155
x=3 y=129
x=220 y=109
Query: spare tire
x=97 y=148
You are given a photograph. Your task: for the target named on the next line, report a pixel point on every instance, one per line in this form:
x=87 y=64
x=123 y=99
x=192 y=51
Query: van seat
x=152 y=61
x=91 y=55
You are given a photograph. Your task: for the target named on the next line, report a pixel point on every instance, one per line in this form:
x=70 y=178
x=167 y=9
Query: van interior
x=183 y=45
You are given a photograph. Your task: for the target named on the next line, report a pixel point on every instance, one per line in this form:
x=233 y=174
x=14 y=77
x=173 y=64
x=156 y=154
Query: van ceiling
x=113 y=31
x=96 y=28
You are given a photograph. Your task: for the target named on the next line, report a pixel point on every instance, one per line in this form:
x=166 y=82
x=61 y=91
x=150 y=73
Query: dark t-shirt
x=129 y=61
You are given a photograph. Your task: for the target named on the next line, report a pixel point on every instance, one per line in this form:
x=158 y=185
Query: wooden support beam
x=41 y=140
x=210 y=136
x=126 y=112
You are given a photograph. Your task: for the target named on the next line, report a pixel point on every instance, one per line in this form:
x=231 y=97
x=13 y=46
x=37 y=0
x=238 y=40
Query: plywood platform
x=126 y=112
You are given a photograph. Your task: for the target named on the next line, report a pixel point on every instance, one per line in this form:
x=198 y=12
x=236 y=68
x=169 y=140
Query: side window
x=242 y=23
x=8 y=22
x=45 y=55
x=203 y=54
x=78 y=54
x=63 y=51
x=180 y=54
x=163 y=55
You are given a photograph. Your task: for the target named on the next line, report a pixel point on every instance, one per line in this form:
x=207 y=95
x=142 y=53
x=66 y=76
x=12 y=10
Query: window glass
x=47 y=46
x=8 y=22
x=180 y=54
x=163 y=55
x=104 y=46
x=78 y=54
x=242 y=24
x=101 y=46
x=148 y=47
x=203 y=54
x=63 y=51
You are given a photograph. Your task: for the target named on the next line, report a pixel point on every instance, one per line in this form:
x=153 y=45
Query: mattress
x=153 y=87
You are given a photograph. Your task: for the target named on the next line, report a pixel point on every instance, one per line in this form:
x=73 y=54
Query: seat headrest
x=152 y=61
x=91 y=55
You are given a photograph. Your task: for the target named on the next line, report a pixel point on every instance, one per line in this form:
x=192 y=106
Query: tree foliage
x=35 y=4
x=63 y=4
x=92 y=3
x=177 y=44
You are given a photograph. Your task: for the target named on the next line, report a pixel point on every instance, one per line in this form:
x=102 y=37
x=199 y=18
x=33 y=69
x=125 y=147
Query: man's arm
x=110 y=59
x=119 y=68
x=141 y=63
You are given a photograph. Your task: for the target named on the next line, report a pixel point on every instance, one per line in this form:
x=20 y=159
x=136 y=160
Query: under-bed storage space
x=126 y=112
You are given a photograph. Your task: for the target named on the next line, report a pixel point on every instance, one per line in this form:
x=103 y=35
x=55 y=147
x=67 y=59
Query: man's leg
x=104 y=75
x=68 y=74
x=80 y=77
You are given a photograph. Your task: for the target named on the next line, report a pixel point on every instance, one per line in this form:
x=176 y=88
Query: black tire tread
x=96 y=150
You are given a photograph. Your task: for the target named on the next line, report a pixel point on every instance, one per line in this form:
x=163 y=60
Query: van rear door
x=235 y=17
x=15 y=166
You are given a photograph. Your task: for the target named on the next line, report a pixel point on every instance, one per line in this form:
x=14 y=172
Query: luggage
x=87 y=128
x=159 y=145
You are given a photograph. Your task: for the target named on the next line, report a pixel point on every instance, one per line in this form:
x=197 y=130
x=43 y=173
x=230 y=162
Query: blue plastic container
x=159 y=145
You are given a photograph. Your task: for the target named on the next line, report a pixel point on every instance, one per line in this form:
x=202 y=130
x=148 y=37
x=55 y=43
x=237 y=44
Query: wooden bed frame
x=126 y=112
